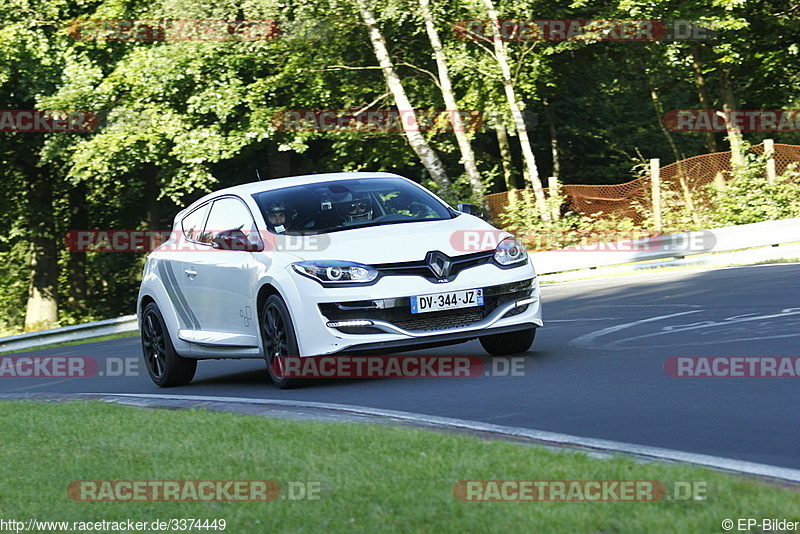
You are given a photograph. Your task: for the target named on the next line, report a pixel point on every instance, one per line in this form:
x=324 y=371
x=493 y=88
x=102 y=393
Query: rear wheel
x=165 y=367
x=510 y=343
x=280 y=341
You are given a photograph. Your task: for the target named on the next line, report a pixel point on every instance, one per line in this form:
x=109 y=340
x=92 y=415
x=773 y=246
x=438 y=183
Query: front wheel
x=510 y=343
x=280 y=341
x=164 y=365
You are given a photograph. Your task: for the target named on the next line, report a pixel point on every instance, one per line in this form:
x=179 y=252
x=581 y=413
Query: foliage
x=523 y=218
x=749 y=197
x=14 y=272
x=676 y=215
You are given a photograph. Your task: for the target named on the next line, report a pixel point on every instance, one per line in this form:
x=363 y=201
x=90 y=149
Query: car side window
x=192 y=225
x=229 y=213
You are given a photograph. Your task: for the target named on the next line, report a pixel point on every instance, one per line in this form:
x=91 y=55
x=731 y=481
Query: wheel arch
x=292 y=299
x=157 y=294
x=143 y=302
x=264 y=292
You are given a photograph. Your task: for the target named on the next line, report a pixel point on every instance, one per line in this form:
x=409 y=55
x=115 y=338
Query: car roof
x=278 y=183
x=245 y=190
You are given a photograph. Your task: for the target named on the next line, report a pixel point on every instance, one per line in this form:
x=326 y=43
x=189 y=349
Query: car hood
x=391 y=243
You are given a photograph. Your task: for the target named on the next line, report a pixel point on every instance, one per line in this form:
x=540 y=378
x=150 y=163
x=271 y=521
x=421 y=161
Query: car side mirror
x=471 y=209
x=235 y=240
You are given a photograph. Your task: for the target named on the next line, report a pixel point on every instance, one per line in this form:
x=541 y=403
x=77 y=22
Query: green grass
x=376 y=478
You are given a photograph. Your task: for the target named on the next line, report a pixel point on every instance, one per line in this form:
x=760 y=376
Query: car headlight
x=336 y=272
x=510 y=251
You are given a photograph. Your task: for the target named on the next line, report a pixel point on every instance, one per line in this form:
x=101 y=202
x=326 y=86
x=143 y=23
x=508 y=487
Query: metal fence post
x=769 y=152
x=552 y=186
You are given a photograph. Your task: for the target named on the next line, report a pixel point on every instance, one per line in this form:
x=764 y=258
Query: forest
x=118 y=113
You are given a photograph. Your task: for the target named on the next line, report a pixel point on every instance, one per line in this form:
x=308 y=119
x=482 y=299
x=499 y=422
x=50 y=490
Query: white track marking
x=586 y=341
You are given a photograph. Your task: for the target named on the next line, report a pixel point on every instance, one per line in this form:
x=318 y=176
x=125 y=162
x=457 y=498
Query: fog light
x=340 y=324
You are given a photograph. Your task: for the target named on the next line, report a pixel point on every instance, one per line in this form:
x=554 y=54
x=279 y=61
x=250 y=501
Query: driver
x=355 y=209
x=276 y=217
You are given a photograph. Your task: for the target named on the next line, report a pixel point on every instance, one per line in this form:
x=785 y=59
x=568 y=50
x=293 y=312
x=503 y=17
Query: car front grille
x=397 y=311
x=442 y=320
x=422 y=268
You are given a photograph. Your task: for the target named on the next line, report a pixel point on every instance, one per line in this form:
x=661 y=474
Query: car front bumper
x=378 y=317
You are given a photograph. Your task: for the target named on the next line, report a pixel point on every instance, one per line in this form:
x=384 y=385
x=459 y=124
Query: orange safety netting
x=685 y=177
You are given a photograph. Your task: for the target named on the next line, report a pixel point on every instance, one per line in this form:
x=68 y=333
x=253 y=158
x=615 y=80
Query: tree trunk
x=515 y=105
x=424 y=152
x=659 y=109
x=702 y=93
x=464 y=146
x=41 y=311
x=505 y=150
x=76 y=264
x=551 y=123
x=152 y=206
x=734 y=133
x=152 y=189
x=682 y=178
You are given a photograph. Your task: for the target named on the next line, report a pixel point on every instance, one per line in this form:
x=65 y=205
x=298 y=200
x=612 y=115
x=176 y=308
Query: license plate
x=451 y=300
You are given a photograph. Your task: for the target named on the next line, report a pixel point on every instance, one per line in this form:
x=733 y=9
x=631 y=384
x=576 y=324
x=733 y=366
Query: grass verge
x=121 y=335
x=375 y=478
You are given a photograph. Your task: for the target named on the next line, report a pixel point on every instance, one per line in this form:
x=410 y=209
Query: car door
x=218 y=281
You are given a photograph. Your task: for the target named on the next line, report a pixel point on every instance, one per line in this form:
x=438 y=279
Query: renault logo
x=439 y=264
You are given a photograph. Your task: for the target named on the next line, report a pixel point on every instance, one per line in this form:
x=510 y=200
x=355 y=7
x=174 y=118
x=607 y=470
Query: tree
x=426 y=154
x=516 y=106
x=446 y=86
x=31 y=61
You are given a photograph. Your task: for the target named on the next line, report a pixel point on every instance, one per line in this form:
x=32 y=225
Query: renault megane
x=330 y=264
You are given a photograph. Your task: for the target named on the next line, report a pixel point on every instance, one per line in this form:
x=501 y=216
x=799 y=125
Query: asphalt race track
x=596 y=368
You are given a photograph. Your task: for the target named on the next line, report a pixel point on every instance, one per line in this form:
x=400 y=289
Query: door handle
x=191 y=273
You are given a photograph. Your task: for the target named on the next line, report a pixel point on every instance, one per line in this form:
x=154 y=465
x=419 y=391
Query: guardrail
x=763 y=234
x=69 y=333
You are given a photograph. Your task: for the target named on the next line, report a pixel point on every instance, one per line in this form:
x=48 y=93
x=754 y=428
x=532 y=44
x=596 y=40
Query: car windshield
x=342 y=204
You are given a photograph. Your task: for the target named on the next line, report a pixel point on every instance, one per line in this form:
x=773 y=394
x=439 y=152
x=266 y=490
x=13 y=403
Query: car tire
x=510 y=343
x=164 y=365
x=280 y=341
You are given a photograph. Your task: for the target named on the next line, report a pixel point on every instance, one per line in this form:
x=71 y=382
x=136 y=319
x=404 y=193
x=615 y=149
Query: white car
x=330 y=264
